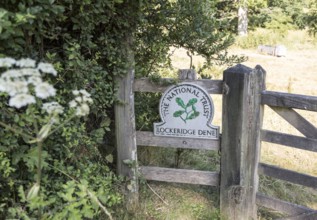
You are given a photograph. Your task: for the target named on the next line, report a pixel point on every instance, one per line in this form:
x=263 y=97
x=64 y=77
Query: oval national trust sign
x=186 y=110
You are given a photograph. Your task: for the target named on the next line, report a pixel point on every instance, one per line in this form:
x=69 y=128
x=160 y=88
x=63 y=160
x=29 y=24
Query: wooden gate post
x=125 y=128
x=240 y=144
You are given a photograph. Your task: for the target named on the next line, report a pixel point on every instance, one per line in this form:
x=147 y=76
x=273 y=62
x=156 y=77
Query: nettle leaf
x=180 y=102
x=193 y=115
x=178 y=113
x=191 y=102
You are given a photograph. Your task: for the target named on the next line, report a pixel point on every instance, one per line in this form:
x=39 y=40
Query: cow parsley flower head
x=25 y=62
x=44 y=90
x=22 y=81
x=80 y=102
x=7 y=62
x=53 y=107
x=30 y=72
x=21 y=100
x=11 y=74
x=34 y=80
x=3 y=86
x=47 y=68
x=82 y=110
x=17 y=87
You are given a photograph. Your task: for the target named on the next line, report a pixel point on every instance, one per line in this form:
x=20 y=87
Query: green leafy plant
x=22 y=81
x=189 y=110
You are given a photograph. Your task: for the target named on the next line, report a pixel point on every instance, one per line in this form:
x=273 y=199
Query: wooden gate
x=244 y=96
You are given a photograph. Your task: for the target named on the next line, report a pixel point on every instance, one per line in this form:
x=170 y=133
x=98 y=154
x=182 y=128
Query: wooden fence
x=284 y=104
x=244 y=97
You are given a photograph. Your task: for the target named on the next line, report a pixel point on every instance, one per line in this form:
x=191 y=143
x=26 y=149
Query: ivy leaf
x=178 y=113
x=191 y=102
x=109 y=158
x=193 y=115
x=180 y=102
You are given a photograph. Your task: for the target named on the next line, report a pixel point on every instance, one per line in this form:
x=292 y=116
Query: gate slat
x=297 y=121
x=287 y=100
x=180 y=175
x=145 y=85
x=280 y=205
x=289 y=140
x=288 y=175
x=144 y=138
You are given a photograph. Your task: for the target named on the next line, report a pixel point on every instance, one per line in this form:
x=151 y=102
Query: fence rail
x=287 y=100
x=282 y=206
x=297 y=121
x=144 y=138
x=283 y=104
x=288 y=175
x=289 y=140
x=145 y=85
x=180 y=175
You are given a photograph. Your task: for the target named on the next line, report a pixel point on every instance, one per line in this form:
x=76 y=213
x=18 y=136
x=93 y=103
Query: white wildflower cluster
x=22 y=81
x=80 y=102
x=20 y=75
x=53 y=107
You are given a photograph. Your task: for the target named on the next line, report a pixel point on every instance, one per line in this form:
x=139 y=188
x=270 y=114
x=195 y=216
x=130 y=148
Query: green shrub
x=87 y=41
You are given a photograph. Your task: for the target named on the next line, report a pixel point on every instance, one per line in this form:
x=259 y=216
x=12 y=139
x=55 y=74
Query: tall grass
x=292 y=39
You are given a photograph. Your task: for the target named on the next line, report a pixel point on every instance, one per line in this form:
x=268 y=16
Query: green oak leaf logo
x=188 y=111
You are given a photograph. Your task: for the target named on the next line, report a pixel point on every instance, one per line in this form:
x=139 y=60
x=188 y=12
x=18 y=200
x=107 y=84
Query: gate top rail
x=145 y=85
x=280 y=99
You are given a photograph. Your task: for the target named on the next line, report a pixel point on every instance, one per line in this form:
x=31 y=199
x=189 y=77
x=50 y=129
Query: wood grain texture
x=180 y=176
x=149 y=139
x=145 y=85
x=289 y=140
x=288 y=175
x=240 y=145
x=125 y=118
x=281 y=206
x=125 y=126
x=297 y=121
x=287 y=100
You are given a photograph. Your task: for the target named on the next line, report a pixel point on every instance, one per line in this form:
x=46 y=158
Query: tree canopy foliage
x=282 y=14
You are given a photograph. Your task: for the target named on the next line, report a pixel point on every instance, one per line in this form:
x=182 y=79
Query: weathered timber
x=125 y=126
x=305 y=216
x=180 y=175
x=145 y=85
x=296 y=120
x=144 y=138
x=281 y=206
x=189 y=74
x=288 y=175
x=240 y=146
x=287 y=100
x=289 y=140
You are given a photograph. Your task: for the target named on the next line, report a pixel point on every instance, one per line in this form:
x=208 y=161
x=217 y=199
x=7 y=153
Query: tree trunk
x=243 y=20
